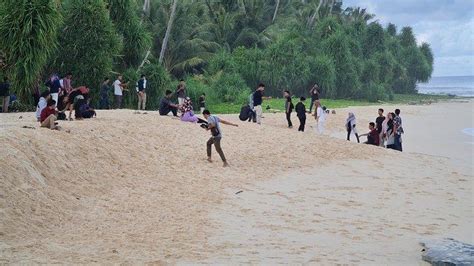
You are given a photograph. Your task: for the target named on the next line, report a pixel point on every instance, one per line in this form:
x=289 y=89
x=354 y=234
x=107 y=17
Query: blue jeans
x=398 y=143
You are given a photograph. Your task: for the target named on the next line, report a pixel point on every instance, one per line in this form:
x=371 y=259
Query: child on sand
x=372 y=136
x=216 y=135
x=351 y=127
x=301 y=113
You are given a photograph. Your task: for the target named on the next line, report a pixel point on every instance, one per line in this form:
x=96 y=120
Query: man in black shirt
x=301 y=113
x=378 y=122
x=257 y=102
x=5 y=94
x=288 y=107
x=167 y=106
x=314 y=92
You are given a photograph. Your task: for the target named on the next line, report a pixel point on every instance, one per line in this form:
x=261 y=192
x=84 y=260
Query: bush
x=229 y=88
x=158 y=81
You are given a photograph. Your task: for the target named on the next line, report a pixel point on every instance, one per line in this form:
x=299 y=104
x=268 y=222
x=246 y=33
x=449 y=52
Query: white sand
x=127 y=188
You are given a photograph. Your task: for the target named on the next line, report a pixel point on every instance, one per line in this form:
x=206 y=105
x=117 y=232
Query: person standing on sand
x=119 y=87
x=202 y=102
x=5 y=94
x=48 y=115
x=390 y=133
x=301 y=113
x=378 y=126
x=321 y=118
x=314 y=92
x=398 y=130
x=181 y=92
x=104 y=94
x=351 y=127
x=257 y=102
x=141 y=93
x=288 y=107
x=216 y=135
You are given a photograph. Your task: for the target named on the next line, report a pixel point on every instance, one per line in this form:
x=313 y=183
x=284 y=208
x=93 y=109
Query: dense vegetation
x=220 y=47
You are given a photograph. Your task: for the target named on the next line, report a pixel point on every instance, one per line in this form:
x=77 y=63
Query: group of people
x=386 y=131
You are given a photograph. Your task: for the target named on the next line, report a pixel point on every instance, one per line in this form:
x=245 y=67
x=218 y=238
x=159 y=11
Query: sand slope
x=136 y=188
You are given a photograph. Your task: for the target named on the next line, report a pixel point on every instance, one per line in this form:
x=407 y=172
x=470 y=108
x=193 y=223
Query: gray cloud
x=447 y=25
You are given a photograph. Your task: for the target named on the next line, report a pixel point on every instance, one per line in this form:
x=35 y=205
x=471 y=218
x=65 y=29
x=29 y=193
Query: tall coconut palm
x=168 y=31
x=28 y=37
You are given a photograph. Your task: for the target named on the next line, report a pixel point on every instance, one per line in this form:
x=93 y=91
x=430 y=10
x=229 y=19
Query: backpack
x=244 y=113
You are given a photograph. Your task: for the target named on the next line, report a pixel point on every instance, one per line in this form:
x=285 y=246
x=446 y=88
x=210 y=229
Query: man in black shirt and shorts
x=378 y=126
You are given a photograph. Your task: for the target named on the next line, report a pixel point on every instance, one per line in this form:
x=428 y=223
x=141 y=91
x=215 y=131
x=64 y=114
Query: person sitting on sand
x=187 y=114
x=301 y=113
x=372 y=136
x=42 y=103
x=216 y=135
x=321 y=118
x=166 y=106
x=76 y=98
x=48 y=115
x=351 y=127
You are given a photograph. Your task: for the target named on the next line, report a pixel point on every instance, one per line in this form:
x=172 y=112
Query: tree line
x=220 y=47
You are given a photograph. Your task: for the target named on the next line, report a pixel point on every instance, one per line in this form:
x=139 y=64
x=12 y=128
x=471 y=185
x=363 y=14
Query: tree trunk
x=168 y=31
x=276 y=10
x=146 y=8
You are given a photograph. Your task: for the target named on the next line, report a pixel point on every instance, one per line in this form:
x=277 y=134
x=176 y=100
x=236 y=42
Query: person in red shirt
x=48 y=115
x=372 y=136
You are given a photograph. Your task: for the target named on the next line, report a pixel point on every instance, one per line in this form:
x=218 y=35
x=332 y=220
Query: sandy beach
x=136 y=188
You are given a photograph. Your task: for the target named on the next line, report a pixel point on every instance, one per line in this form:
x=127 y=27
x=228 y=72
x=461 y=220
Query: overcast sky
x=447 y=25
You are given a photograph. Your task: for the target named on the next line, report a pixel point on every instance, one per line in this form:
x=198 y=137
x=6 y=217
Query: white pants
x=258 y=110
x=55 y=97
x=320 y=127
x=202 y=109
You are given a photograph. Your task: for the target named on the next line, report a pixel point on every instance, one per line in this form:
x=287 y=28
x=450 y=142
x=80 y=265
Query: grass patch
x=279 y=103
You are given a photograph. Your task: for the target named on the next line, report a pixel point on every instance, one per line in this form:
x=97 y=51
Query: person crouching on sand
x=216 y=135
x=373 y=137
x=351 y=127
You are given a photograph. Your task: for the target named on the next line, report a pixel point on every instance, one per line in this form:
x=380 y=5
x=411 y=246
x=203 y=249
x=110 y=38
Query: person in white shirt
x=42 y=103
x=119 y=87
x=321 y=118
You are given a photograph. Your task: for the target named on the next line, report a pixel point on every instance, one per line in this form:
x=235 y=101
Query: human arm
x=227 y=123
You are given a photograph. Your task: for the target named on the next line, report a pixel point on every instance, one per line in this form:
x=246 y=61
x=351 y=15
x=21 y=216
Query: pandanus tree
x=28 y=38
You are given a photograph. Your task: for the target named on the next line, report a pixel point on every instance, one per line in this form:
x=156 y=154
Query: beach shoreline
x=135 y=188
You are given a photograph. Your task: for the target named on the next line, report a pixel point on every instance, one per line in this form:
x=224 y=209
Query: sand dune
x=129 y=188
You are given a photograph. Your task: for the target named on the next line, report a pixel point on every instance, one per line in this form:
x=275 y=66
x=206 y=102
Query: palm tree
x=168 y=31
x=28 y=31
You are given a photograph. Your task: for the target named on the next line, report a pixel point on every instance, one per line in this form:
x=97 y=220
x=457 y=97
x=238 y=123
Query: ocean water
x=462 y=86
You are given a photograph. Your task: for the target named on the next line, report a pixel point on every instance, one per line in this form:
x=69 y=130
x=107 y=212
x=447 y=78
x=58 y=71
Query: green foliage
x=229 y=88
x=136 y=39
x=88 y=43
x=323 y=72
x=28 y=37
x=158 y=81
x=407 y=38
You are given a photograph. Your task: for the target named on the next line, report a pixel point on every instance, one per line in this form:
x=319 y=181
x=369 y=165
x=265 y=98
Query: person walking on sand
x=378 y=126
x=288 y=107
x=301 y=113
x=141 y=92
x=119 y=87
x=398 y=130
x=321 y=118
x=216 y=135
x=257 y=102
x=314 y=92
x=181 y=92
x=351 y=127
x=48 y=115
